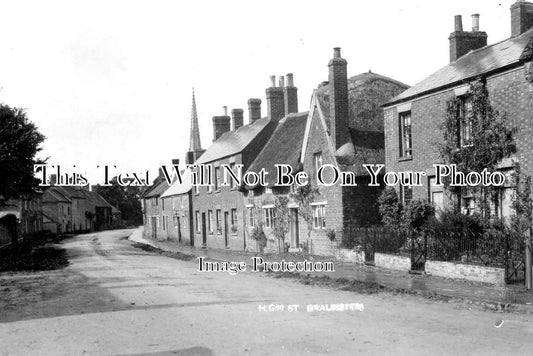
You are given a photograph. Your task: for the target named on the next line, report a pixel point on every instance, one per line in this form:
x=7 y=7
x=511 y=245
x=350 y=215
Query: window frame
x=405 y=136
x=319 y=216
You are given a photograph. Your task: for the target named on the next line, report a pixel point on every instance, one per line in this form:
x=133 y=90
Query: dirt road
x=115 y=299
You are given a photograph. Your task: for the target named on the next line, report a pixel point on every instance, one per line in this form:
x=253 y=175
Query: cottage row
x=58 y=209
x=351 y=121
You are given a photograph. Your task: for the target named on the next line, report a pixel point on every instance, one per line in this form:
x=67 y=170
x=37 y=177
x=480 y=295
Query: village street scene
x=178 y=201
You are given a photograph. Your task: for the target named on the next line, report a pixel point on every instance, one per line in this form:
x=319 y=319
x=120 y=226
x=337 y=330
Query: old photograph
x=266 y=177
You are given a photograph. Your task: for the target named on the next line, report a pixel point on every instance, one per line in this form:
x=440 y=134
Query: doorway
x=154 y=226
x=226 y=232
x=204 y=232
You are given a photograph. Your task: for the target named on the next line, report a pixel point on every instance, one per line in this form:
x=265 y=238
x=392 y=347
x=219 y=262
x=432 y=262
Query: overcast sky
x=110 y=82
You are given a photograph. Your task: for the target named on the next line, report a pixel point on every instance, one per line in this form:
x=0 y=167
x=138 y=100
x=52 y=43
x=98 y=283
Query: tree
x=124 y=198
x=19 y=143
x=490 y=140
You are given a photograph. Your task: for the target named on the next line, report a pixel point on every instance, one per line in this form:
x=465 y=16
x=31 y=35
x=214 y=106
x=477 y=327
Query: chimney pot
x=475 y=22
x=338 y=100
x=272 y=81
x=225 y=110
x=458 y=23
x=337 y=52
x=254 y=109
x=175 y=161
x=290 y=81
x=237 y=118
x=281 y=81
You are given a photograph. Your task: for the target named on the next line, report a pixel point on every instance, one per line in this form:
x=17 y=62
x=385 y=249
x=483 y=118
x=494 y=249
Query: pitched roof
x=159 y=186
x=178 y=188
x=233 y=142
x=52 y=195
x=283 y=147
x=475 y=63
x=367 y=147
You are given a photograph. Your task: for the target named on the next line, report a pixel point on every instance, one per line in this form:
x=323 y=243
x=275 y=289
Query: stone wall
x=395 y=262
x=475 y=273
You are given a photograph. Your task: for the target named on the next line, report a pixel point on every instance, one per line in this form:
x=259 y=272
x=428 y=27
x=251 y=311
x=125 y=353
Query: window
x=234 y=217
x=164 y=222
x=468 y=205
x=217 y=178
x=319 y=216
x=251 y=217
x=406 y=194
x=464 y=121
x=163 y=203
x=317 y=161
x=210 y=221
x=405 y=134
x=209 y=187
x=268 y=216
x=219 y=223
x=231 y=182
x=198 y=221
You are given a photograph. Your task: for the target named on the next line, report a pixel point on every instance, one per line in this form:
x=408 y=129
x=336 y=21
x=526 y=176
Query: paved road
x=115 y=299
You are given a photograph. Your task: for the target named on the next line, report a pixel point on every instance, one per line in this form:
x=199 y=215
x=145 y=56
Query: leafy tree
x=491 y=140
x=124 y=198
x=390 y=207
x=20 y=141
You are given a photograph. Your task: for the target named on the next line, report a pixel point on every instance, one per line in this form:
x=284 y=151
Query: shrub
x=258 y=234
x=390 y=207
x=416 y=213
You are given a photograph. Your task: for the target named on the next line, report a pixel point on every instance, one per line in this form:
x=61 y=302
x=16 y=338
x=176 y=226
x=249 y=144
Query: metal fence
x=502 y=249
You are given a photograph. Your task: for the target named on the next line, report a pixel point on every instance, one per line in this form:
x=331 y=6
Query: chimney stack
x=290 y=96
x=462 y=42
x=338 y=99
x=521 y=17
x=175 y=161
x=475 y=22
x=254 y=110
x=237 y=118
x=221 y=124
x=275 y=100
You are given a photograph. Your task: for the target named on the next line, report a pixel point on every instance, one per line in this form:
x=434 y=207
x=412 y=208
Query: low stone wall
x=396 y=262
x=346 y=255
x=490 y=275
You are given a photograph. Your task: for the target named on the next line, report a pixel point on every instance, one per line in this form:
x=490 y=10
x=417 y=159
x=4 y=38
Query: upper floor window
x=210 y=221
x=217 y=178
x=464 y=122
x=251 y=217
x=405 y=134
x=232 y=168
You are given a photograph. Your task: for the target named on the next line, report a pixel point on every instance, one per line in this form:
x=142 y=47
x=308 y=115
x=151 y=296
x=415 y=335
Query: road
x=116 y=299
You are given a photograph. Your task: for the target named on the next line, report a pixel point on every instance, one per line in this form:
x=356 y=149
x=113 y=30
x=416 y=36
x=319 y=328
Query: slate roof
x=283 y=147
x=233 y=142
x=159 y=186
x=475 y=63
x=52 y=195
x=178 y=188
x=367 y=147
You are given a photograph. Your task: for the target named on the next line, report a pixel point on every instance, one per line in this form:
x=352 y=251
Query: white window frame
x=268 y=215
x=319 y=216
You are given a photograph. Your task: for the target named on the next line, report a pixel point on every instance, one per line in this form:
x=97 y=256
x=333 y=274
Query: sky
x=110 y=82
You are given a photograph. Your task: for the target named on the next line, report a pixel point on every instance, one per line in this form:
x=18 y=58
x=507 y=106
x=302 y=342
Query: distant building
x=413 y=118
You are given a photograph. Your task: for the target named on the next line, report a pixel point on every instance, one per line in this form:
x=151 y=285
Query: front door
x=154 y=226
x=204 y=232
x=179 y=229
x=226 y=228
x=295 y=240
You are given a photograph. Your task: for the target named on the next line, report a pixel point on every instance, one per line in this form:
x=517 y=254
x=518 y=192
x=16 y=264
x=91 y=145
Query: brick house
x=219 y=210
x=283 y=147
x=412 y=119
x=344 y=128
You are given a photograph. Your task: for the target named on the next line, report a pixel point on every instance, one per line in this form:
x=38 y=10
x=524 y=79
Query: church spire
x=195 y=144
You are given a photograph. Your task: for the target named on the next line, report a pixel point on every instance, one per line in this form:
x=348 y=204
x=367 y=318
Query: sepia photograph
x=266 y=177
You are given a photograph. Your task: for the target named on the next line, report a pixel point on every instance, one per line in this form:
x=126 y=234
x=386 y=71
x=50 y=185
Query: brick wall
x=509 y=93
